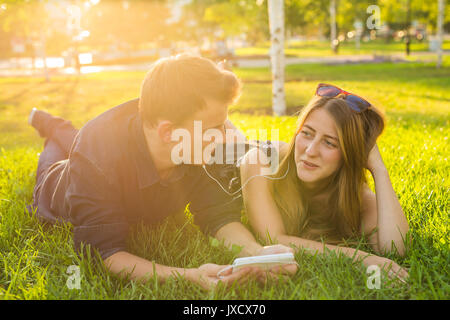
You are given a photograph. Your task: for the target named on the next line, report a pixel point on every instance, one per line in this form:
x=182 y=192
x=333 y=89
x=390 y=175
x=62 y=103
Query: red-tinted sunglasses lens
x=328 y=91
x=356 y=103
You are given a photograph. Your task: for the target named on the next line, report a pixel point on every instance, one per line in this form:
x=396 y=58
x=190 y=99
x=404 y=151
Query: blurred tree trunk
x=276 y=24
x=440 y=33
x=333 y=31
x=44 y=55
x=408 y=26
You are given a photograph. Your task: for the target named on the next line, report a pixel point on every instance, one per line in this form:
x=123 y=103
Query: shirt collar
x=177 y=173
x=145 y=167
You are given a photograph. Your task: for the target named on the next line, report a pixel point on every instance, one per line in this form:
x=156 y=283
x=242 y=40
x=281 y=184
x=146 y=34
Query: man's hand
x=206 y=275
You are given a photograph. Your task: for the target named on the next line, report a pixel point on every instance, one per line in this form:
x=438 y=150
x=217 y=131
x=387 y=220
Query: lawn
x=303 y=49
x=34 y=258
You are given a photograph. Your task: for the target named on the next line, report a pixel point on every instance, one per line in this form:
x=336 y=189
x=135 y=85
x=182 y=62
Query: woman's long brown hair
x=339 y=217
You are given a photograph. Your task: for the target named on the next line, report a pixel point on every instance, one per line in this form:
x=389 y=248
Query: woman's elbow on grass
x=394 y=246
x=404 y=241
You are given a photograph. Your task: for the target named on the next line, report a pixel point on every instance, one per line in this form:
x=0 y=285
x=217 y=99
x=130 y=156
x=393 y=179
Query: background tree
x=239 y=17
x=276 y=22
x=440 y=22
x=127 y=24
x=32 y=23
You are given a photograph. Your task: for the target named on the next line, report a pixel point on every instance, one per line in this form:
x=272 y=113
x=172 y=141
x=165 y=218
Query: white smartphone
x=265 y=262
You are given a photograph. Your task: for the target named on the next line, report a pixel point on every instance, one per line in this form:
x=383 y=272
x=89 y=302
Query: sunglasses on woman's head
x=355 y=102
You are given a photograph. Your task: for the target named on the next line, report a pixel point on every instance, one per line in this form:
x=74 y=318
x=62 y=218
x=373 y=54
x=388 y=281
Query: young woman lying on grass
x=319 y=190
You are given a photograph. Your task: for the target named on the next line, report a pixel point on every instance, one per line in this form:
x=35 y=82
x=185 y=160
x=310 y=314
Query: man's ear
x=164 y=130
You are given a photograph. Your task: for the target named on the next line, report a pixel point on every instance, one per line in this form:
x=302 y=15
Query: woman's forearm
x=392 y=223
x=317 y=247
x=356 y=255
x=235 y=233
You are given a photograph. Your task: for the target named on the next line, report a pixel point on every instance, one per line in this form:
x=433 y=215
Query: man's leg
x=64 y=135
x=53 y=128
x=59 y=135
x=51 y=154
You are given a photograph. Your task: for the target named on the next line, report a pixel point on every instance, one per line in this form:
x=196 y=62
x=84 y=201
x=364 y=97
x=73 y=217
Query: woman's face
x=317 y=151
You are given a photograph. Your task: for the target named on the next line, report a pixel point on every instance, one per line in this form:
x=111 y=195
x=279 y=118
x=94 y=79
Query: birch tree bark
x=276 y=24
x=333 y=31
x=440 y=33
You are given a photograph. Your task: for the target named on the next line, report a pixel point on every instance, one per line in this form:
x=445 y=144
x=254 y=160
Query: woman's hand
x=393 y=270
x=374 y=160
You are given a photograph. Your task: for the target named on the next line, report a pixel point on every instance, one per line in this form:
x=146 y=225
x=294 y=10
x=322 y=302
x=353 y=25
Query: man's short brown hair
x=175 y=88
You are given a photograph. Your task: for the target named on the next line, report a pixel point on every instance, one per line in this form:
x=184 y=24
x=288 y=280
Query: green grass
x=303 y=49
x=415 y=147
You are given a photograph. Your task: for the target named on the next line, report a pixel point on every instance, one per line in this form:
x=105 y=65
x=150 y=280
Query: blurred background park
x=77 y=59
x=70 y=36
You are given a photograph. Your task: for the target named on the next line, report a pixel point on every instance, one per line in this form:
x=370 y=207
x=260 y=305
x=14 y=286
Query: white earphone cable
x=248 y=180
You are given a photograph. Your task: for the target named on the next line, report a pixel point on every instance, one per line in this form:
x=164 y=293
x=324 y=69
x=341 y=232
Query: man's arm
x=126 y=264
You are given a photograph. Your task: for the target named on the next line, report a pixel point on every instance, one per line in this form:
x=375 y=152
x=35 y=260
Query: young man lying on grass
x=118 y=170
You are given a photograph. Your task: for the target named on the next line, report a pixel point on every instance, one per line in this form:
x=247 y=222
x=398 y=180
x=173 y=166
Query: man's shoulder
x=111 y=118
x=103 y=139
x=108 y=125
